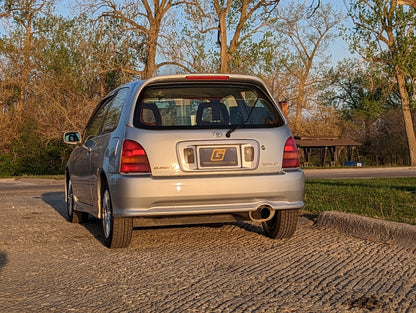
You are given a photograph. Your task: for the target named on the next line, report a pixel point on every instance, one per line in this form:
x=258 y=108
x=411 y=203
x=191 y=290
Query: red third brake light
x=207 y=77
x=133 y=158
x=290 y=154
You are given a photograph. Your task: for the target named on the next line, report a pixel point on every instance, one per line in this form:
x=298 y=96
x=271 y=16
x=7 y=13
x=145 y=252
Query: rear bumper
x=148 y=196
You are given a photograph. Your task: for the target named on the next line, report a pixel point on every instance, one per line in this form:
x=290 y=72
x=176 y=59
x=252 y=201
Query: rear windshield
x=205 y=106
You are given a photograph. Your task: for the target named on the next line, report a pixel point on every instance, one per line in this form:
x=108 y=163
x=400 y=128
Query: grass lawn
x=387 y=198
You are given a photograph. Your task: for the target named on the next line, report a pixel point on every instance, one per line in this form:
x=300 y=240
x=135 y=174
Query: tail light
x=133 y=158
x=290 y=154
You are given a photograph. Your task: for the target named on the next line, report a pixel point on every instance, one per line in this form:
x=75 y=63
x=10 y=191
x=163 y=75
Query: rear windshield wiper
x=235 y=127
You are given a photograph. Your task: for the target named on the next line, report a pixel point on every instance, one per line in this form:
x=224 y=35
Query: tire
x=74 y=216
x=282 y=225
x=117 y=232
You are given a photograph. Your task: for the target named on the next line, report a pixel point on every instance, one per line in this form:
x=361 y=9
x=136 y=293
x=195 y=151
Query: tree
x=113 y=52
x=65 y=89
x=59 y=94
x=384 y=32
x=305 y=38
x=233 y=24
x=363 y=95
x=407 y=2
x=17 y=47
x=145 y=20
x=23 y=14
x=369 y=106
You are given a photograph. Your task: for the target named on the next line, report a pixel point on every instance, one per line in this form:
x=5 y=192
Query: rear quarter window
x=114 y=111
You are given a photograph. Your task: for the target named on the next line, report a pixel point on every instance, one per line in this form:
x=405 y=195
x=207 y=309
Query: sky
x=338 y=49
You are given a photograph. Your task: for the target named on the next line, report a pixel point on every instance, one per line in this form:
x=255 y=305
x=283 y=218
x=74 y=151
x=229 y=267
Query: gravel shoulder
x=48 y=264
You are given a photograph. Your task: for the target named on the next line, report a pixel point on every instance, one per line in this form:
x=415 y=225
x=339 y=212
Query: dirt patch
x=369 y=303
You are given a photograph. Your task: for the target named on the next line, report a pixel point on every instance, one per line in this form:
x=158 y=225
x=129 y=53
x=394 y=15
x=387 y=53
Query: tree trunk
x=299 y=108
x=224 y=56
x=24 y=79
x=407 y=116
x=151 y=47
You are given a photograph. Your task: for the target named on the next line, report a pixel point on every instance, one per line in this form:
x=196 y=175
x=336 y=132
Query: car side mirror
x=72 y=138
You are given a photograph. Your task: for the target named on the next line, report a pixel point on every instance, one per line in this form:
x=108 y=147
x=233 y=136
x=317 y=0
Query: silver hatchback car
x=185 y=149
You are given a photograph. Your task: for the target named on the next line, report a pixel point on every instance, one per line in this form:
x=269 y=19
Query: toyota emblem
x=217 y=133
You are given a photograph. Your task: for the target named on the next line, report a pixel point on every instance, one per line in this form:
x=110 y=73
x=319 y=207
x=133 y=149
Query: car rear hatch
x=169 y=154
x=209 y=125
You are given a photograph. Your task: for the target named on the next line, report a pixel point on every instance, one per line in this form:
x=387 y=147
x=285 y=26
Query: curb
x=368 y=228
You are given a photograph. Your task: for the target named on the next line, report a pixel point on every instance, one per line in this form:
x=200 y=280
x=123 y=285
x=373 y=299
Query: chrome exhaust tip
x=263 y=213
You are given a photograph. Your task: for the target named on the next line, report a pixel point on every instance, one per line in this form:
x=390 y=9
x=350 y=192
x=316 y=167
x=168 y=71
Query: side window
x=114 y=111
x=94 y=126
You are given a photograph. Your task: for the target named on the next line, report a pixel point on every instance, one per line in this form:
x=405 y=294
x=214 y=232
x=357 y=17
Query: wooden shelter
x=327 y=148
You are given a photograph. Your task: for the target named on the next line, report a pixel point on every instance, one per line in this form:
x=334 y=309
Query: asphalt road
x=48 y=264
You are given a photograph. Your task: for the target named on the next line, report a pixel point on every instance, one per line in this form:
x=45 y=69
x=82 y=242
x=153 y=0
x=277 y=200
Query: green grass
x=387 y=198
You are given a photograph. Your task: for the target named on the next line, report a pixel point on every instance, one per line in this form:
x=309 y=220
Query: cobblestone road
x=48 y=264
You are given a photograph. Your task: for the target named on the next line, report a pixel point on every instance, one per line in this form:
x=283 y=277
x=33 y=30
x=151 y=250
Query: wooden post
x=283 y=106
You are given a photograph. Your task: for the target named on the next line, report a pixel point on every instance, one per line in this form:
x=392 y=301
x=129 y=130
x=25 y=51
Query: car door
x=83 y=175
x=102 y=156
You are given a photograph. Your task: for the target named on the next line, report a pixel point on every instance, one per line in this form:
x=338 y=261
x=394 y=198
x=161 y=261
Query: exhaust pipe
x=263 y=213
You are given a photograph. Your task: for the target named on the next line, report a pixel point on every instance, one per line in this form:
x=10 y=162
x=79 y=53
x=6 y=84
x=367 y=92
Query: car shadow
x=57 y=202
x=240 y=224
x=250 y=227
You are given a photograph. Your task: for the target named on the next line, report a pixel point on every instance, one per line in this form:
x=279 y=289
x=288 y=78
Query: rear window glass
x=205 y=106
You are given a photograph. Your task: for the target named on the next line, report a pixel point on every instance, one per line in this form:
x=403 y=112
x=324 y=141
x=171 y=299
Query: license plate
x=218 y=157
